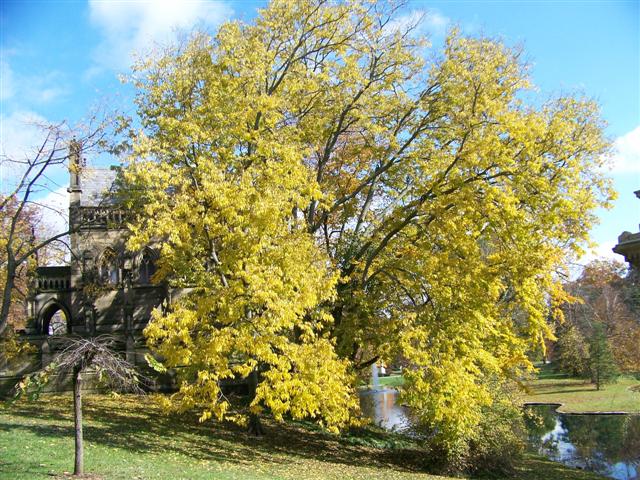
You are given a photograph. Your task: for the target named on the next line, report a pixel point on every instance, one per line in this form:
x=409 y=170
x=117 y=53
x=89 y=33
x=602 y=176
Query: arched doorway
x=55 y=319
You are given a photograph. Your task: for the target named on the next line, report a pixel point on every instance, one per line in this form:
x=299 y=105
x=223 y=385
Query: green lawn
x=577 y=395
x=128 y=438
x=391 y=381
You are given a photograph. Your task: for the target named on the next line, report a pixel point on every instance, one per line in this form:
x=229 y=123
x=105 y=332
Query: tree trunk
x=77 y=409
x=255 y=425
x=7 y=291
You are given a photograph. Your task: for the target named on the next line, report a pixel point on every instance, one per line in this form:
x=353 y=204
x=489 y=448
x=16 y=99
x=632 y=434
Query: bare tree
x=99 y=355
x=19 y=240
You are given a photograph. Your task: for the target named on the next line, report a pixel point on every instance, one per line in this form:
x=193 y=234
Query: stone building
x=629 y=246
x=103 y=289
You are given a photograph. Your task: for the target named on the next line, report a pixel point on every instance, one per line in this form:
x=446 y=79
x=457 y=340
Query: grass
x=127 y=437
x=392 y=381
x=580 y=396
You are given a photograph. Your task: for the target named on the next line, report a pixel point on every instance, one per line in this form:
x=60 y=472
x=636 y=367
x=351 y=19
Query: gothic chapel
x=105 y=288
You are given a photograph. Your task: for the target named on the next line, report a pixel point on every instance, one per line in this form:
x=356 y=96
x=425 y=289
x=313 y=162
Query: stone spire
x=75 y=165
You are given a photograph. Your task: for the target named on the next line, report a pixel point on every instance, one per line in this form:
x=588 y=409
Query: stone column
x=47 y=356
x=131 y=349
x=89 y=319
x=128 y=301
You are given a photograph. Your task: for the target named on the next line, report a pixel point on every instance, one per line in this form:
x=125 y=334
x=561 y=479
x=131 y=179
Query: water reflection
x=381 y=407
x=607 y=444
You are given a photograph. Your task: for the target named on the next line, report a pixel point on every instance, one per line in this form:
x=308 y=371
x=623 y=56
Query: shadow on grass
x=127 y=423
x=550 y=375
x=575 y=390
x=577 y=386
x=538 y=468
x=32 y=468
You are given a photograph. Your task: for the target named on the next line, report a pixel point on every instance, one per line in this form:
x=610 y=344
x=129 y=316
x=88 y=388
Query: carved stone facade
x=629 y=246
x=104 y=289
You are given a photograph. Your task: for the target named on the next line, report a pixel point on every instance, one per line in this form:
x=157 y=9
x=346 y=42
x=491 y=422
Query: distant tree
x=572 y=352
x=624 y=338
x=632 y=291
x=606 y=294
x=25 y=227
x=80 y=355
x=602 y=365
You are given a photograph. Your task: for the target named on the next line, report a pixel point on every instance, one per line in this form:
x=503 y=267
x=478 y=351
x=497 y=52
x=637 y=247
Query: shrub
x=494 y=447
x=500 y=439
x=572 y=352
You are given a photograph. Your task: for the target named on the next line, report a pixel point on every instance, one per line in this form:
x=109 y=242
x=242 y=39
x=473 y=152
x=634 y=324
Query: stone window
x=147 y=266
x=108 y=268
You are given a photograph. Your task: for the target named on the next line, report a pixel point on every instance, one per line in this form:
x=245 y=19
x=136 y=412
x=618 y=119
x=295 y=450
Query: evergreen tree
x=602 y=365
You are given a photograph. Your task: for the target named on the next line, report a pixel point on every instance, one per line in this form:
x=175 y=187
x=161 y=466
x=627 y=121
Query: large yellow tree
x=334 y=199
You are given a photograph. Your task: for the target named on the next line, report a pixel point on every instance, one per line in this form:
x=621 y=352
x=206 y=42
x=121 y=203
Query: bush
x=494 y=447
x=500 y=439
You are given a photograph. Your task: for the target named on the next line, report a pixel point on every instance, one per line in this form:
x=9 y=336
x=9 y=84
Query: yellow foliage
x=328 y=197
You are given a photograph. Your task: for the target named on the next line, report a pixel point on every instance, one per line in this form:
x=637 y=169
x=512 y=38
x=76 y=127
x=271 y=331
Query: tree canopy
x=606 y=307
x=20 y=225
x=333 y=197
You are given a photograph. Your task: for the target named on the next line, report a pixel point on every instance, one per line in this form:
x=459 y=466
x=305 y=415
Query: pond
x=607 y=444
x=381 y=407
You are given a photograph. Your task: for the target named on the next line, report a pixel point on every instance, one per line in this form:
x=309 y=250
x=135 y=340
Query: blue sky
x=60 y=59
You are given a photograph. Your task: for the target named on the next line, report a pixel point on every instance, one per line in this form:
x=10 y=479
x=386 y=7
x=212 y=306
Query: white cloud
x=55 y=210
x=30 y=89
x=21 y=134
x=626 y=156
x=601 y=251
x=54 y=219
x=436 y=22
x=134 y=26
x=424 y=22
x=45 y=88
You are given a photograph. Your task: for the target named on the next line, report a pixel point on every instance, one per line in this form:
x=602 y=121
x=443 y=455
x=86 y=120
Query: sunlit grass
x=127 y=437
x=579 y=395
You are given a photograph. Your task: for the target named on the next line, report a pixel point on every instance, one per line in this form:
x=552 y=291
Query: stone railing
x=91 y=217
x=53 y=278
x=627 y=237
x=629 y=246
